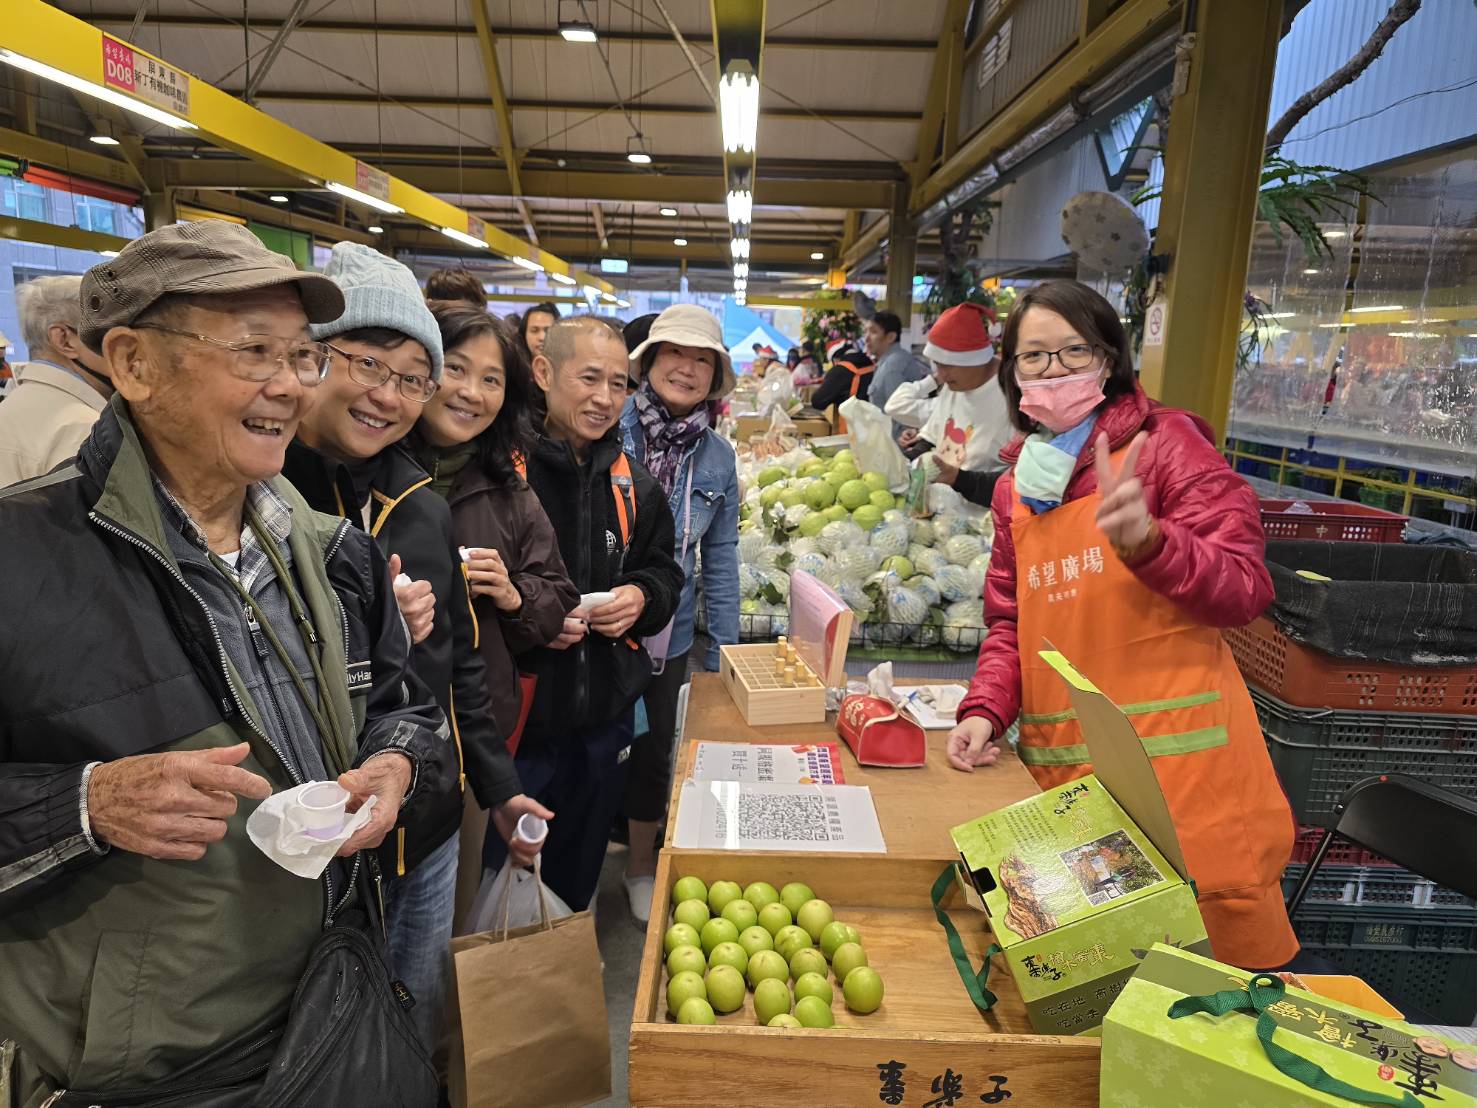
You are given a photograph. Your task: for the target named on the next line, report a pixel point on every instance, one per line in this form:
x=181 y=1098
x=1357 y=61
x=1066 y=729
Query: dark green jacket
x=119 y=968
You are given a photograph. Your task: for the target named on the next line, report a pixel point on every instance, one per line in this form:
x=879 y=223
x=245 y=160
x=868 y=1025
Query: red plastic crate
x=1308 y=678
x=1341 y=852
x=1331 y=521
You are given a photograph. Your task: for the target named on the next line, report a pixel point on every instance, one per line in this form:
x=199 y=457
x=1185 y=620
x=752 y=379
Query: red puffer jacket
x=1210 y=560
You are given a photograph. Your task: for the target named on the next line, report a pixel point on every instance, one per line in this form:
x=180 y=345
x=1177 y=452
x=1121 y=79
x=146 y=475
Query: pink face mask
x=1060 y=403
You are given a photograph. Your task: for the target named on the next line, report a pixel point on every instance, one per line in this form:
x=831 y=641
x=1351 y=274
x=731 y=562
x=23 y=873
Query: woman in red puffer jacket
x=1124 y=539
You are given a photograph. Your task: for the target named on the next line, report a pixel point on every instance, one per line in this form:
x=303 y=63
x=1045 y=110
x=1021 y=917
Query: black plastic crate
x=1423 y=960
x=1382 y=886
x=1320 y=753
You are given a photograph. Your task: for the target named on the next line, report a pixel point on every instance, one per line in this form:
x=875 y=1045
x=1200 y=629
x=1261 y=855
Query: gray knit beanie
x=379 y=292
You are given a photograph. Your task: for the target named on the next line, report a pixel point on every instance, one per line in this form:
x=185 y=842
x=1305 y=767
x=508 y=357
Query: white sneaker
x=638 y=892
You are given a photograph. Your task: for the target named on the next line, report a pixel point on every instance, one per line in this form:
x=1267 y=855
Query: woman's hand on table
x=971 y=744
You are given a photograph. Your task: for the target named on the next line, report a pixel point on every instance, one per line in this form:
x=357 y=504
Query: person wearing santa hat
x=959 y=413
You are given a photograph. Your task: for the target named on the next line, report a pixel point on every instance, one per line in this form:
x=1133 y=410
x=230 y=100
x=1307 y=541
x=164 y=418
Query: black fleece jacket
x=594 y=682
x=408 y=518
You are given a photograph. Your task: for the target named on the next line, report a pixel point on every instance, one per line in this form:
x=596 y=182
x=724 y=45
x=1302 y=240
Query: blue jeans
x=418 y=909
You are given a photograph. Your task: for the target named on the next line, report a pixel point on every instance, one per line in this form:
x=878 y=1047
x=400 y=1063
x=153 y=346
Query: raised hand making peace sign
x=1123 y=515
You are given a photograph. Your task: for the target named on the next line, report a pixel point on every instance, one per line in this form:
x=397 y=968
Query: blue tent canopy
x=740 y=323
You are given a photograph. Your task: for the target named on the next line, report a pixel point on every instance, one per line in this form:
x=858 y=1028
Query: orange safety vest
x=1176 y=681
x=856 y=384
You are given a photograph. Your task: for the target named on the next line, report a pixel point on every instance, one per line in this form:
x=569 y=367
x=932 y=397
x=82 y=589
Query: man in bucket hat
x=236 y=644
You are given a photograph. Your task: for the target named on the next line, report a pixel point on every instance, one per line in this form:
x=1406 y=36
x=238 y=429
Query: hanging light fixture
x=739 y=247
x=577 y=27
x=740 y=269
x=563 y=280
x=363 y=197
x=740 y=206
x=738 y=102
x=637 y=151
x=463 y=238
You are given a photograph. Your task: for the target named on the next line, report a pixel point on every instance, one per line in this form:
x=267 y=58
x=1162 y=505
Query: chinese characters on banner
x=947 y=1089
x=371 y=181
x=1058 y=574
x=476 y=228
x=146 y=78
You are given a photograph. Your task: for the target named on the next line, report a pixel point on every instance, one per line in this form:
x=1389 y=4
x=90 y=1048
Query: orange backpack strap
x=623 y=488
x=520 y=464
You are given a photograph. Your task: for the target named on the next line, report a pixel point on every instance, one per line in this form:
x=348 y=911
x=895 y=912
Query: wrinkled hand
x=575 y=630
x=616 y=618
x=971 y=744
x=386 y=776
x=505 y=819
x=417 y=603
x=1123 y=515
x=169 y=806
x=488 y=576
x=947 y=474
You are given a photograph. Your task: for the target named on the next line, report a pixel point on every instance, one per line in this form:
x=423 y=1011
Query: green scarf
x=444 y=463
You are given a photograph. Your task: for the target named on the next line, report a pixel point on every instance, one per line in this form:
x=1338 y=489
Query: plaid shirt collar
x=252 y=563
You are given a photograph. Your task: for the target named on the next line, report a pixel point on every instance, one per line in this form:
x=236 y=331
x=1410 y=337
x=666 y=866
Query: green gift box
x=1081 y=881
x=1188 y=1030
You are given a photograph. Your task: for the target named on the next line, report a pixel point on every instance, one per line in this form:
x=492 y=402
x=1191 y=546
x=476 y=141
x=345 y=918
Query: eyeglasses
x=259 y=357
x=1033 y=363
x=372 y=373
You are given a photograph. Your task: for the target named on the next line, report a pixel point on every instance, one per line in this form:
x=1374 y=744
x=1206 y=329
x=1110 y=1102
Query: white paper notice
x=735 y=815
x=768 y=763
x=933 y=706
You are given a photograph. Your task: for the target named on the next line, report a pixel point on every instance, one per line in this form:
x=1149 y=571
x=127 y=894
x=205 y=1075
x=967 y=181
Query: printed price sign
x=146 y=78
x=476 y=228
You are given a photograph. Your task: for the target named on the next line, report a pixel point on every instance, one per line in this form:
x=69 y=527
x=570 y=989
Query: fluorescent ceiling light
x=816 y=255
x=101 y=92
x=363 y=197
x=637 y=152
x=639 y=157
x=738 y=102
x=277 y=198
x=1334 y=234
x=577 y=30
x=667 y=211
x=740 y=284
x=679 y=242
x=592 y=292
x=1310 y=271
x=103 y=140
x=526 y=263
x=740 y=269
x=463 y=238
x=1329 y=326
x=108 y=253
x=1379 y=308
x=622 y=303
x=563 y=280
x=376 y=229
x=740 y=206
x=739 y=247
x=610 y=299
x=1414 y=334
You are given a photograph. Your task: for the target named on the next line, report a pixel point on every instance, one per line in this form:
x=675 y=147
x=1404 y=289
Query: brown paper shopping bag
x=531 y=1003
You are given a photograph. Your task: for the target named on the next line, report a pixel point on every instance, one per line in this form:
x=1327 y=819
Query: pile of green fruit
x=780 y=943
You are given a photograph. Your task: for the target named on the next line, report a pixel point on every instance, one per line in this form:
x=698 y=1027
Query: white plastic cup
x=531 y=828
x=465 y=553
x=322 y=808
x=402 y=579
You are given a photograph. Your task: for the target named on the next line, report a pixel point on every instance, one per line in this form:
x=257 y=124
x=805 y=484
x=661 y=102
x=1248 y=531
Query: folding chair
x=1427 y=829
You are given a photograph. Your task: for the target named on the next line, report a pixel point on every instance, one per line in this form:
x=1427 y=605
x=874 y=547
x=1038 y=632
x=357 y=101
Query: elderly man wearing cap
x=615 y=535
x=235 y=643
x=668 y=426
x=349 y=461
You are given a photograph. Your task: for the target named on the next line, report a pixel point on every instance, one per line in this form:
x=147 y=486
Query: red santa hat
x=964 y=335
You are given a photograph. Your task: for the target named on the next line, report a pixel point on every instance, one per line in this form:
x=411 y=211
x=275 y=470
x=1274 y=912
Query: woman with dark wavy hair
x=471 y=439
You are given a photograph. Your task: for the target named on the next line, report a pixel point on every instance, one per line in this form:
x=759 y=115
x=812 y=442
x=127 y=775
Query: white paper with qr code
x=737 y=815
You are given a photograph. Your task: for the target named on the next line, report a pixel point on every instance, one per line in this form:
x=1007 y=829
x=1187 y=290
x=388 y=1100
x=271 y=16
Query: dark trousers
x=582 y=778
x=649 y=785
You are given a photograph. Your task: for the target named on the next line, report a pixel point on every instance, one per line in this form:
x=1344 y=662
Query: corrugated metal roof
x=1395 y=108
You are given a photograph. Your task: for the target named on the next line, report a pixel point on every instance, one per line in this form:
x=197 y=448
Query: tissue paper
x=283 y=828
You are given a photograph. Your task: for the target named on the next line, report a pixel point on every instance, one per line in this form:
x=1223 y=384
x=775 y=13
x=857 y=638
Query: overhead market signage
x=372 y=182
x=476 y=228
x=145 y=78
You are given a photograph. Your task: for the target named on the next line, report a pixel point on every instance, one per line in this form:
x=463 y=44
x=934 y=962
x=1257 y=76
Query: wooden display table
x=926 y=1023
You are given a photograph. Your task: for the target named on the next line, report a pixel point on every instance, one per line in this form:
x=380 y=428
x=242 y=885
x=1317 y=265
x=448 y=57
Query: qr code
x=797 y=818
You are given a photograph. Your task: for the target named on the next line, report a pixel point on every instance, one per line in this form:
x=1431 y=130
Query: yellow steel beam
x=849 y=224
x=951 y=34
x=1130 y=26
x=865 y=243
x=274 y=215
x=53 y=155
x=1089 y=16
x=697 y=251
x=48 y=234
x=487 y=43
x=1212 y=166
x=45 y=34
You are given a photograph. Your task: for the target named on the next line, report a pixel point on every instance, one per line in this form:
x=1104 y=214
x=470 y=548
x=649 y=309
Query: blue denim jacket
x=714 y=528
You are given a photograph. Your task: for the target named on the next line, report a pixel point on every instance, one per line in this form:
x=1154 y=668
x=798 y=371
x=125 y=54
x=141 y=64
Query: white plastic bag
x=520 y=889
x=776 y=391
x=870 y=432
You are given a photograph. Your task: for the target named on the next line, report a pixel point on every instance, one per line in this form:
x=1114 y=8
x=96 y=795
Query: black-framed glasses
x=1033 y=363
x=372 y=373
x=259 y=357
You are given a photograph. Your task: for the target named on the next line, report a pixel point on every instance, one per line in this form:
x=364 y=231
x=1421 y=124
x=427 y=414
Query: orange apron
x=856 y=387
x=1177 y=682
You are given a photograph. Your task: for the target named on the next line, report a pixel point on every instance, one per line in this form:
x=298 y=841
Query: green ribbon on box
x=1261 y=992
x=975 y=983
